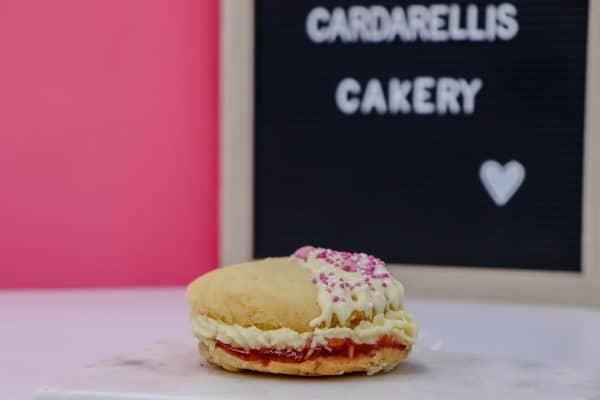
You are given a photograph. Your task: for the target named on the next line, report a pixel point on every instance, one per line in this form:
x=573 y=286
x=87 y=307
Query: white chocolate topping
x=349 y=282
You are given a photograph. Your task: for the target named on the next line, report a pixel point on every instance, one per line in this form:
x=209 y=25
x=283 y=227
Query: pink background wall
x=108 y=141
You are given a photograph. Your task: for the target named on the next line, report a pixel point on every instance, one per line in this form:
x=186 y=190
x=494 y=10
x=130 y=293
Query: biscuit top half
x=313 y=288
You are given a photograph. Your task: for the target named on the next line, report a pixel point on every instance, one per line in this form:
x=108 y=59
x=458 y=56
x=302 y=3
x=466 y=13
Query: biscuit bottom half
x=338 y=357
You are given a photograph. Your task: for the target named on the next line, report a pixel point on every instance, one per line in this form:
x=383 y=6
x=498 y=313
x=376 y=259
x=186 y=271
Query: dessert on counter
x=316 y=312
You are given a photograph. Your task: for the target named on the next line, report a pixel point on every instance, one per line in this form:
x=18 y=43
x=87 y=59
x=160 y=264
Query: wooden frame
x=236 y=194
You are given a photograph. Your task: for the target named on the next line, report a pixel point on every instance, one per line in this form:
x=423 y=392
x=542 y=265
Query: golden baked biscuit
x=317 y=312
x=269 y=294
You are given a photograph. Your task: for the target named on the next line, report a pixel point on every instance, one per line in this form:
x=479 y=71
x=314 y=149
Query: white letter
x=469 y=91
x=373 y=98
x=315 y=32
x=422 y=95
x=475 y=34
x=447 y=94
x=397 y=96
x=359 y=18
x=380 y=23
x=339 y=26
x=490 y=22
x=456 y=32
x=438 y=30
x=399 y=26
x=418 y=19
x=346 y=88
x=507 y=18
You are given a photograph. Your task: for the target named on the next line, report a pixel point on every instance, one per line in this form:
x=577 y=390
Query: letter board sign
x=427 y=133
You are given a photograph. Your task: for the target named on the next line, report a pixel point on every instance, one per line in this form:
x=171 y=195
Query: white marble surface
x=169 y=370
x=45 y=335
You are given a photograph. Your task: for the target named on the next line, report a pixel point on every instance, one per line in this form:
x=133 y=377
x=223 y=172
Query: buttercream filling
x=398 y=324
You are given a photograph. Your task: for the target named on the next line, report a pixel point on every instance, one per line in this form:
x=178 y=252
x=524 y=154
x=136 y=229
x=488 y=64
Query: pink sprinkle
x=384 y=284
x=381 y=276
x=330 y=274
x=303 y=252
x=323 y=278
x=322 y=254
x=314 y=280
x=336 y=299
x=348 y=266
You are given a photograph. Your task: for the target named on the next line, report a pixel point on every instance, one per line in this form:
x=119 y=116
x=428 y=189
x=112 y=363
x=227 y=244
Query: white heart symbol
x=501 y=182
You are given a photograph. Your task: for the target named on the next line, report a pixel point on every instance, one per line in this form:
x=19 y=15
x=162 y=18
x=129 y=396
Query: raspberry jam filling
x=335 y=347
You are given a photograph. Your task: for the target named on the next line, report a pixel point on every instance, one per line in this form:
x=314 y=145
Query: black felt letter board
x=381 y=128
